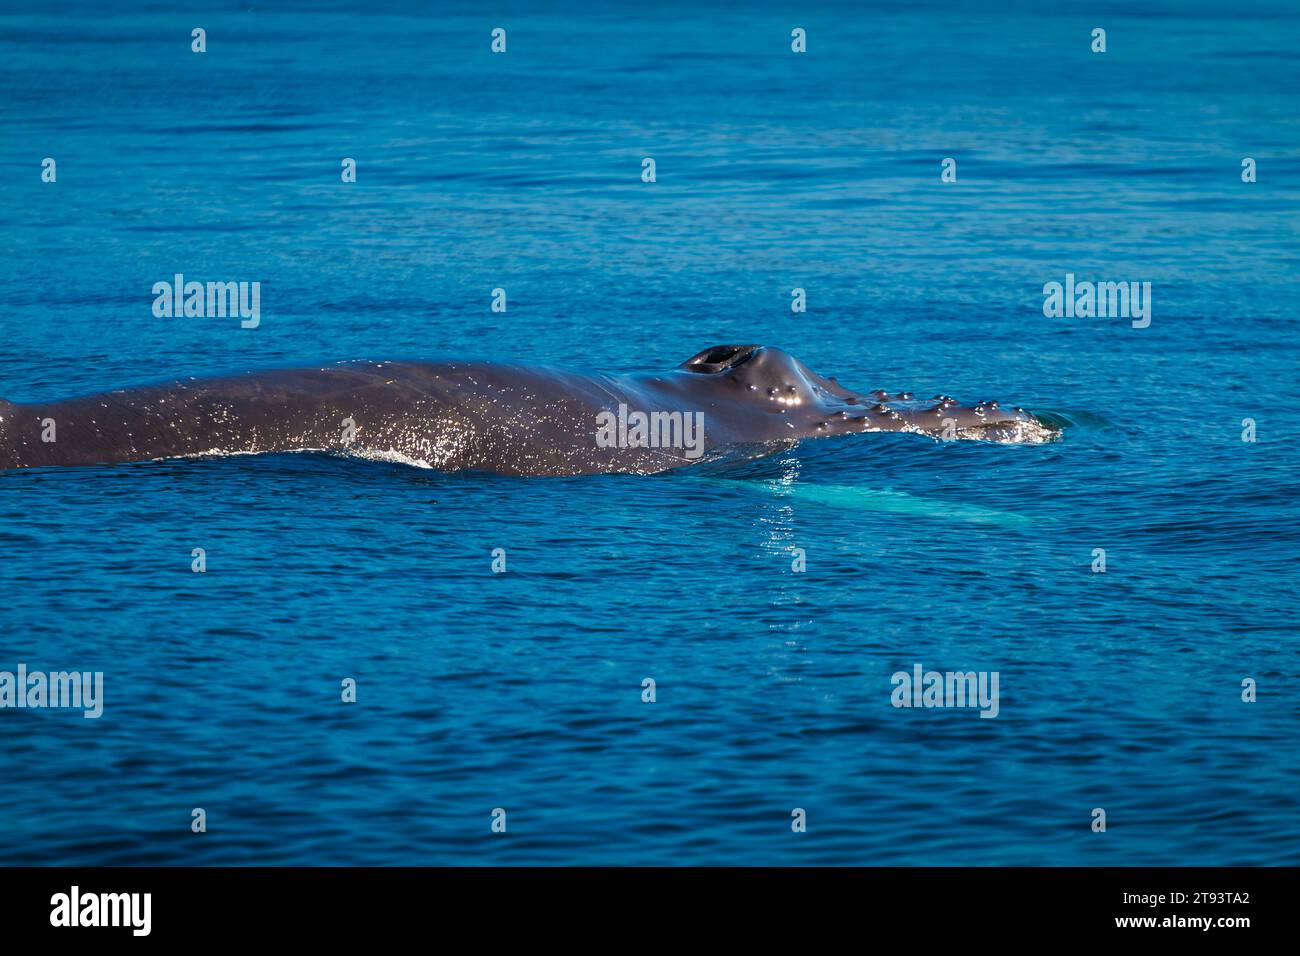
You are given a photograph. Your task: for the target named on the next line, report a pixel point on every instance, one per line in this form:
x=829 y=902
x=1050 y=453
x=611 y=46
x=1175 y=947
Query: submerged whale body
x=507 y=419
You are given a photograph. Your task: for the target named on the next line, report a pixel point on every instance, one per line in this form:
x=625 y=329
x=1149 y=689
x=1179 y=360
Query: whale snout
x=812 y=405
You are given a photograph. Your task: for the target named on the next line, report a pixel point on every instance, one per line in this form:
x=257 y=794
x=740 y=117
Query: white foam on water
x=389 y=456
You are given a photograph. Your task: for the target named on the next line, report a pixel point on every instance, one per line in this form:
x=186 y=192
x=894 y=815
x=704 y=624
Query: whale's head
x=774 y=378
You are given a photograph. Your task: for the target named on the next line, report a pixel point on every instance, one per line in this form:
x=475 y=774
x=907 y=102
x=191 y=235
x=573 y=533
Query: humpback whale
x=505 y=419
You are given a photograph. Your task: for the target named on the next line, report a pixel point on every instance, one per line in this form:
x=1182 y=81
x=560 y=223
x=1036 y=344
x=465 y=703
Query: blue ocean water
x=523 y=691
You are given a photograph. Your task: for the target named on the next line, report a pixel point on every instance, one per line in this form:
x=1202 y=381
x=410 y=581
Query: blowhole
x=720 y=358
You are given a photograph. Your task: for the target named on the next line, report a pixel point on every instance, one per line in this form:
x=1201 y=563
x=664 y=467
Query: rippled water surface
x=523 y=690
